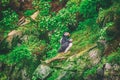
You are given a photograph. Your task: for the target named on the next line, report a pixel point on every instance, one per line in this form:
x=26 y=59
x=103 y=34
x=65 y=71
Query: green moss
x=114 y=57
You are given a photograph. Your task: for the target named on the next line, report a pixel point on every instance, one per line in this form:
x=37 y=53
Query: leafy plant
x=29 y=12
x=43 y=6
x=88 y=8
x=19 y=54
x=90 y=71
x=4 y=2
x=9 y=19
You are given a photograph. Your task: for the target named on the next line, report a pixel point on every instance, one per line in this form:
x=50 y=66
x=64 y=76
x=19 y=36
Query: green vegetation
x=9 y=20
x=114 y=57
x=19 y=54
x=87 y=21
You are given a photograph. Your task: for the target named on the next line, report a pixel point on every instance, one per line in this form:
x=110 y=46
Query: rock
x=68 y=72
x=66 y=75
x=26 y=22
x=13 y=37
x=24 y=74
x=111 y=72
x=23 y=21
x=16 y=73
x=15 y=33
x=116 y=67
x=24 y=38
x=63 y=73
x=107 y=71
x=100 y=74
x=108 y=66
x=94 y=56
x=102 y=44
x=34 y=16
x=10 y=41
x=42 y=72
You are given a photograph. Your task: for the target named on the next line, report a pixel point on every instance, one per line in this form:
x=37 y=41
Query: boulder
x=24 y=74
x=34 y=16
x=66 y=75
x=14 y=72
x=100 y=73
x=23 y=22
x=94 y=56
x=111 y=72
x=42 y=72
x=108 y=66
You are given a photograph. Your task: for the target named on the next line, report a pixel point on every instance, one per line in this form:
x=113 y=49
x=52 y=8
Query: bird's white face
x=66 y=34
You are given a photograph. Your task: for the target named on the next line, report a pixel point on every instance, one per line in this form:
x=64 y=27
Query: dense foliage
x=86 y=20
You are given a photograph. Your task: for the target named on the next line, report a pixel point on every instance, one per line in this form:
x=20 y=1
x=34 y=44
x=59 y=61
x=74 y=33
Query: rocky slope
x=28 y=46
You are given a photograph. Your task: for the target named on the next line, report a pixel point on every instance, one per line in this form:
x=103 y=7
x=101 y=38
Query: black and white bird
x=66 y=43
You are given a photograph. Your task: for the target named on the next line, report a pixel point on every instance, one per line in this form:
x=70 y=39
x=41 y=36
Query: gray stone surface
x=42 y=71
x=95 y=56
